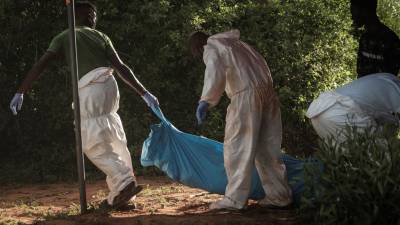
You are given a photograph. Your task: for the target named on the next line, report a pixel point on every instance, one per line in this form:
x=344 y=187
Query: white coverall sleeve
x=214 y=78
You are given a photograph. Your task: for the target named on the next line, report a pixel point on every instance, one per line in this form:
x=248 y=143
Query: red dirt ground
x=161 y=202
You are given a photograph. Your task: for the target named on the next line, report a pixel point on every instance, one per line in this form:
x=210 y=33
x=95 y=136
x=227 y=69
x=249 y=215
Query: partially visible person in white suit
x=368 y=102
x=253 y=130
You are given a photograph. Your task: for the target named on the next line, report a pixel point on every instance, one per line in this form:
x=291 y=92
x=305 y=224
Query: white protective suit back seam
x=94 y=75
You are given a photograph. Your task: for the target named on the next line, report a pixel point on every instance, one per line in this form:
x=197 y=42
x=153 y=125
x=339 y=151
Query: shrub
x=360 y=183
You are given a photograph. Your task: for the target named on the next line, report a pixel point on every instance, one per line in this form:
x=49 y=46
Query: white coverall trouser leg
x=253 y=136
x=103 y=136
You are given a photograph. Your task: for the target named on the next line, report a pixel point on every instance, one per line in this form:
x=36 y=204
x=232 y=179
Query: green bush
x=360 y=183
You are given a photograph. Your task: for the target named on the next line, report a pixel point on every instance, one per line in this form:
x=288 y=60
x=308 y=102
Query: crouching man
x=368 y=102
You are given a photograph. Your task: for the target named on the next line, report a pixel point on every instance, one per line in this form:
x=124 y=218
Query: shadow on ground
x=254 y=215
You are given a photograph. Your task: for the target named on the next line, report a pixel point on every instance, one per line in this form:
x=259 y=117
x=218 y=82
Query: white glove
x=150 y=99
x=16 y=103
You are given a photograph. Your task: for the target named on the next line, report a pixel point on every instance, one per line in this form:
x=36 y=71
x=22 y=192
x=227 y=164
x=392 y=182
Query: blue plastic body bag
x=198 y=162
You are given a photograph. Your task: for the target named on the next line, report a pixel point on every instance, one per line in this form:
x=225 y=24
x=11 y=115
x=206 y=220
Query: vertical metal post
x=74 y=73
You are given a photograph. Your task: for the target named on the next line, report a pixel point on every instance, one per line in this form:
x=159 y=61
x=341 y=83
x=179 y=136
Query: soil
x=162 y=201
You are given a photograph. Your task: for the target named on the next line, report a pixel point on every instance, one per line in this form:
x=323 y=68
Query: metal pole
x=74 y=73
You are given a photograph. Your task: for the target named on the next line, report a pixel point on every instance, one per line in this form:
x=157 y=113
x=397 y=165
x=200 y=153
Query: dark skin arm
x=36 y=70
x=126 y=74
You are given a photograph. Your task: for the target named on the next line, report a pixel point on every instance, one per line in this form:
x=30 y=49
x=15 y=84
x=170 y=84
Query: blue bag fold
x=198 y=162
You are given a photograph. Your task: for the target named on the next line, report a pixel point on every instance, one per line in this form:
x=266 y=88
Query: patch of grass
x=162 y=190
x=71 y=211
x=26 y=202
x=11 y=222
x=27 y=207
x=101 y=194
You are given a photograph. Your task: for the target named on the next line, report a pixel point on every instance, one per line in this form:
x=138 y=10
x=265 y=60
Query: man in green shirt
x=103 y=136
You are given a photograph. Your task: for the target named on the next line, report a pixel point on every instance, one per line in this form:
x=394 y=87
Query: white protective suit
x=365 y=103
x=103 y=136
x=253 y=130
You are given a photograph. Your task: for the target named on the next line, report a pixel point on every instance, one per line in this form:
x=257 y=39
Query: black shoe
x=104 y=206
x=126 y=194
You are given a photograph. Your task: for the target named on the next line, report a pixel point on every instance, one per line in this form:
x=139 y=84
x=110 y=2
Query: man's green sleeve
x=57 y=43
x=110 y=50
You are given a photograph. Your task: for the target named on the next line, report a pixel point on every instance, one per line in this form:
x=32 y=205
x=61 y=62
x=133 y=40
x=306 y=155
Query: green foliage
x=360 y=183
x=306 y=43
x=389 y=12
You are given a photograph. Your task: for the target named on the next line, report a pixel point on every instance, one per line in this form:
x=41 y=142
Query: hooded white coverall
x=253 y=130
x=365 y=103
x=103 y=136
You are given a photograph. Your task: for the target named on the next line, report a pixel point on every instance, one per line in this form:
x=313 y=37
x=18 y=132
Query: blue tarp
x=198 y=162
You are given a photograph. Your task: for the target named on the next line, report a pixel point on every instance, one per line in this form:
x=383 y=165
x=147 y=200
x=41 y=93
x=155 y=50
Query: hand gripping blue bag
x=198 y=162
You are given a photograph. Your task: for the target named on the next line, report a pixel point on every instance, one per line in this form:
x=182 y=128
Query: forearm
x=32 y=75
x=129 y=78
x=35 y=72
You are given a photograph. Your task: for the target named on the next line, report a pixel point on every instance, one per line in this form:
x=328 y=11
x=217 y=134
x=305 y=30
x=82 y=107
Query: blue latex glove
x=16 y=103
x=201 y=112
x=150 y=99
